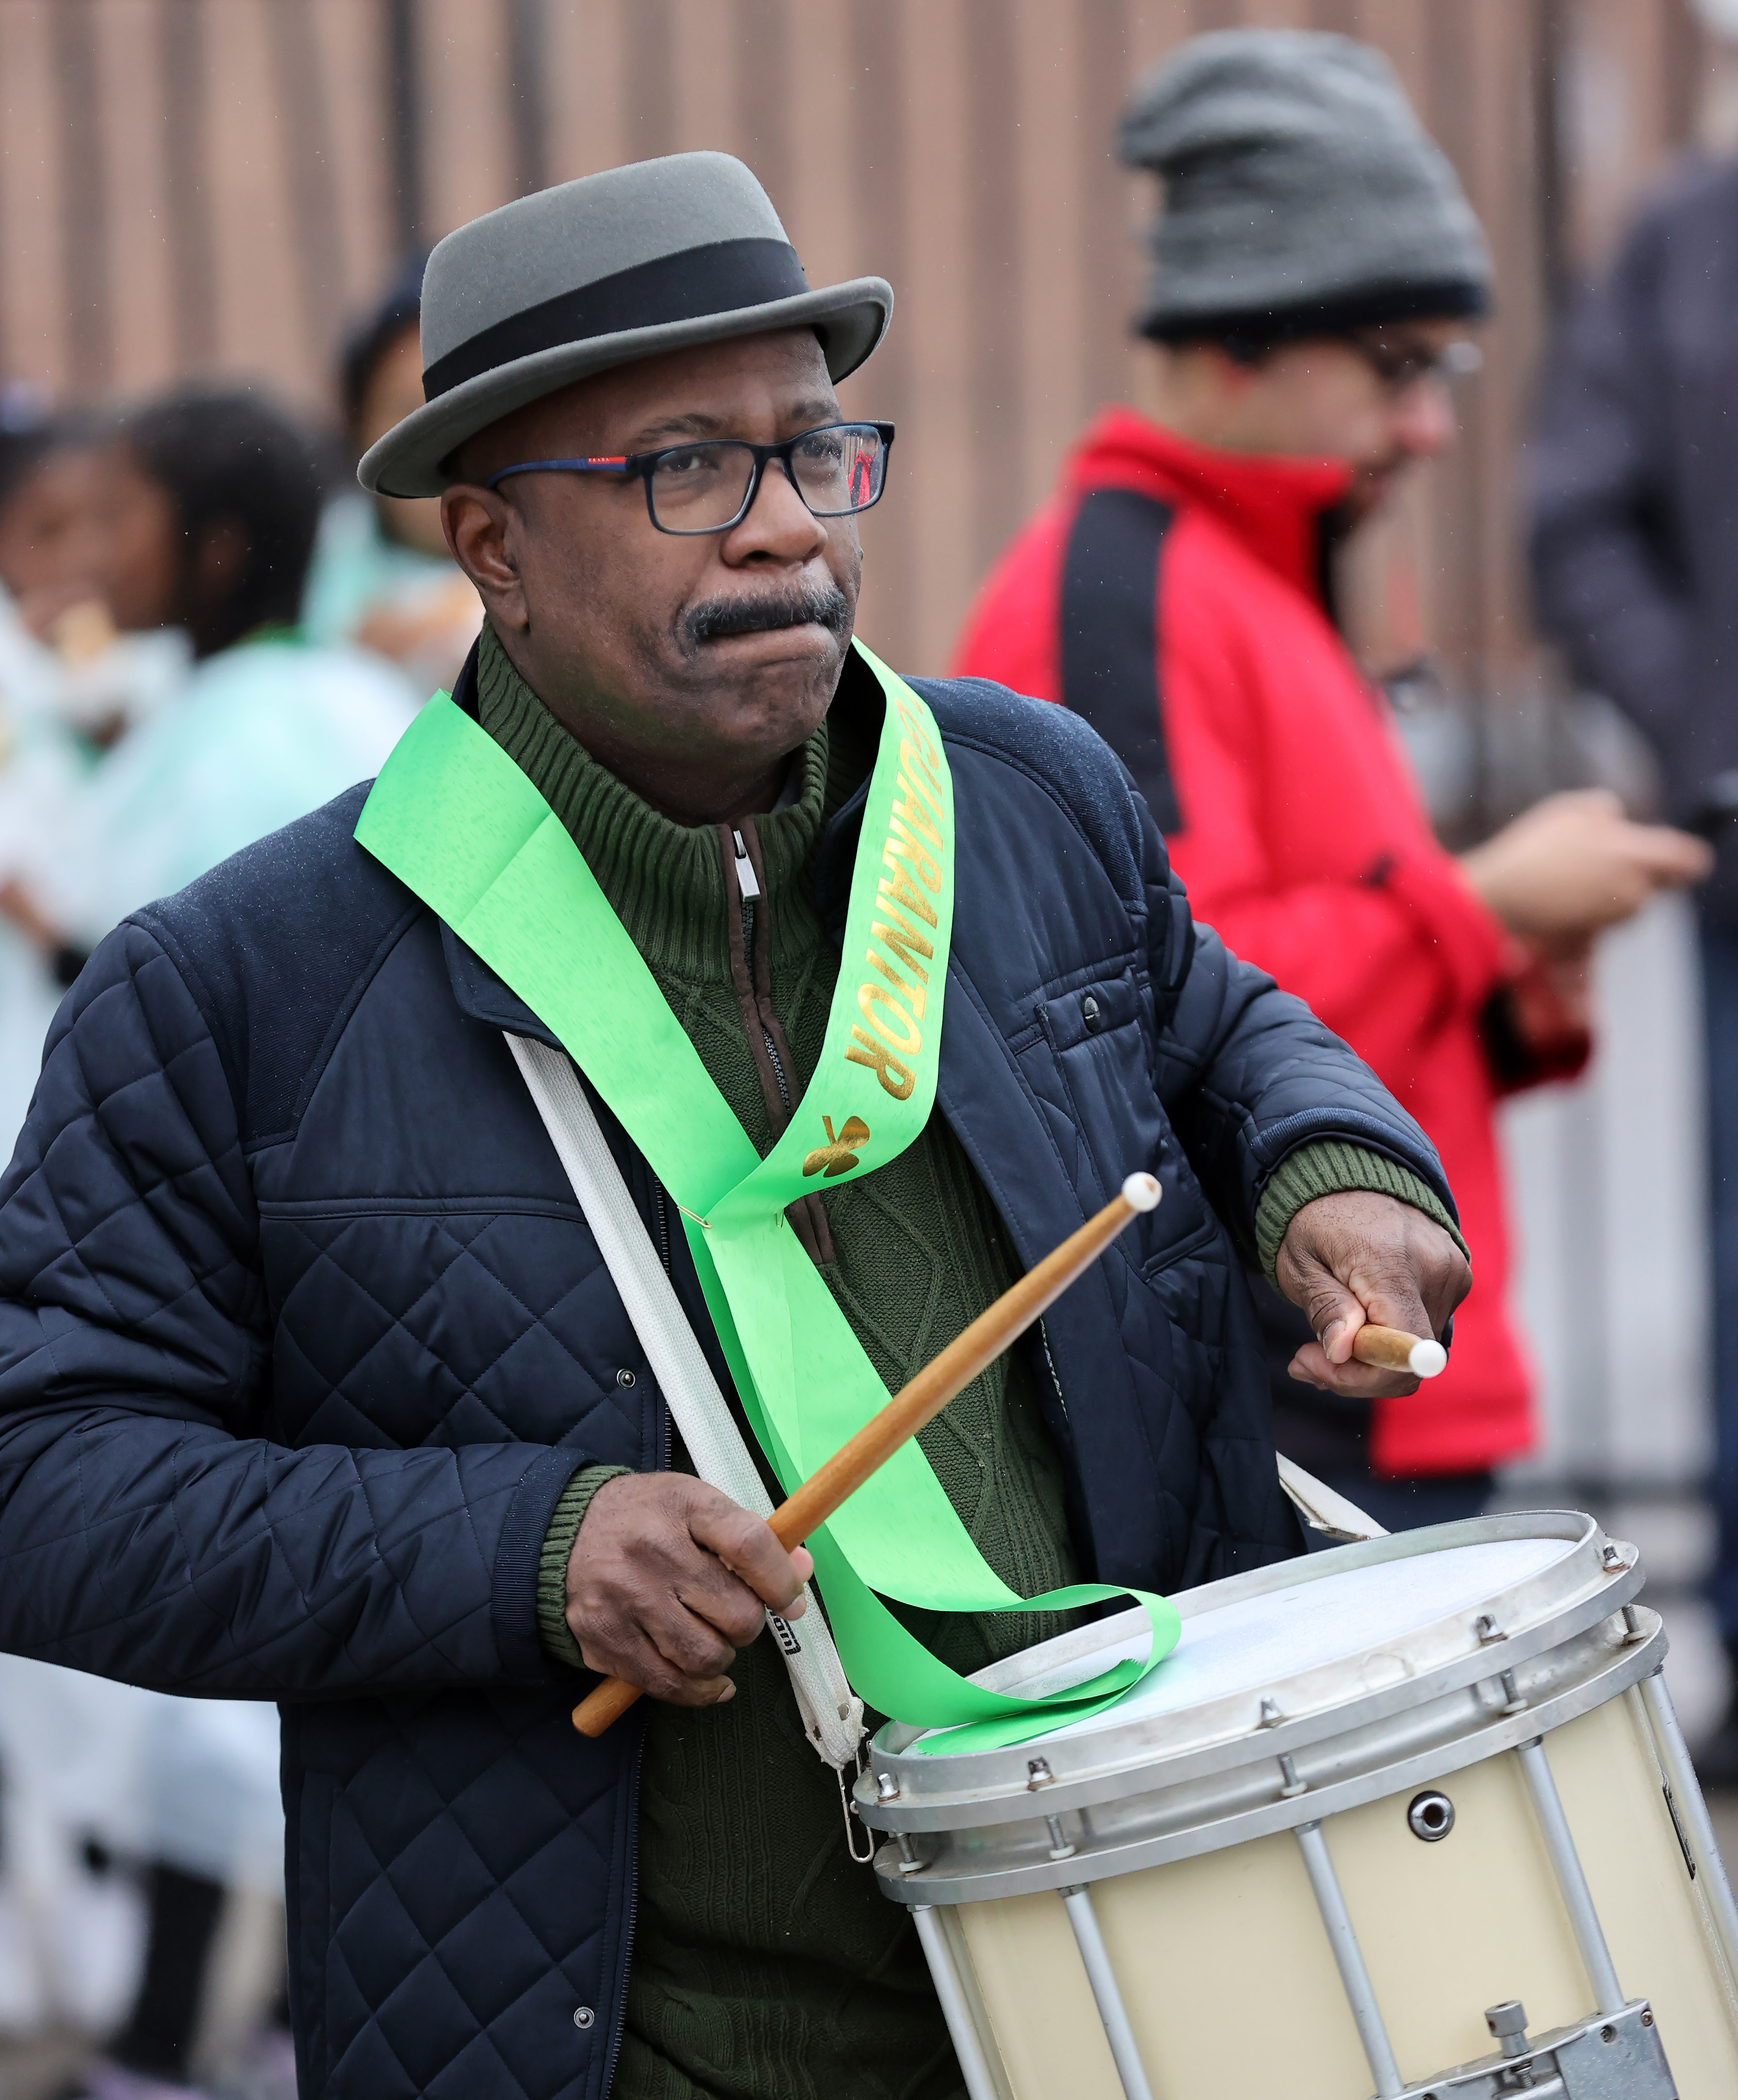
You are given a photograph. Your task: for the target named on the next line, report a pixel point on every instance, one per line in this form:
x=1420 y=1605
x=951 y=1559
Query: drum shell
x=1231 y=1987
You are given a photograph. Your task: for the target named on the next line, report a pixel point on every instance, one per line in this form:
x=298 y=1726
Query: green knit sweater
x=764 y=1960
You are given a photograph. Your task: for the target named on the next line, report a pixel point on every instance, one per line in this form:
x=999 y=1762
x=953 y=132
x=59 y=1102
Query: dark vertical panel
x=310 y=172
x=993 y=264
x=876 y=125
x=185 y=140
x=84 y=220
x=1682 y=68
x=404 y=122
x=648 y=63
x=1463 y=497
x=528 y=102
x=764 y=88
x=1107 y=271
x=1551 y=46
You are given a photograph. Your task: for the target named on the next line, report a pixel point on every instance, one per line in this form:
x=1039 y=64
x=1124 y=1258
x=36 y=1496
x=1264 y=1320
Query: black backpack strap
x=1110 y=650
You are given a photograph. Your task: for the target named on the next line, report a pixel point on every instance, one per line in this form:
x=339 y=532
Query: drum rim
x=1284 y=1715
x=970 y=1875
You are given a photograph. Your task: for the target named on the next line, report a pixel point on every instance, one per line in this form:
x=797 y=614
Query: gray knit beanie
x=1302 y=196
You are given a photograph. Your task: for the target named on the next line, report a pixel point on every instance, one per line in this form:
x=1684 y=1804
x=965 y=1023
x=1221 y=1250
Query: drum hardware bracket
x=1611 y=2056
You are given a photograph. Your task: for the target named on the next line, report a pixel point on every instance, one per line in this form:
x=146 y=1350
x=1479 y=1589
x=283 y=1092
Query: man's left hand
x=1359 y=1257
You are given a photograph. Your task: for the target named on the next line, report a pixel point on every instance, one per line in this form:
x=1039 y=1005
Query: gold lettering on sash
x=897 y=1079
x=869 y=997
x=916 y=824
x=901 y=891
x=924 y=776
x=915 y=816
x=928 y=867
x=916 y=997
x=928 y=755
x=905 y=944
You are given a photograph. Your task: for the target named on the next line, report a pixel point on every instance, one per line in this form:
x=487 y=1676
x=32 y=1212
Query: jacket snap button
x=624 y=1376
x=583 y=2016
x=1090 y=1014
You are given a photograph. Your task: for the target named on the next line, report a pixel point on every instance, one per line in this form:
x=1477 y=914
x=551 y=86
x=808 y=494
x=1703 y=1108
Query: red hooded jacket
x=1173 y=594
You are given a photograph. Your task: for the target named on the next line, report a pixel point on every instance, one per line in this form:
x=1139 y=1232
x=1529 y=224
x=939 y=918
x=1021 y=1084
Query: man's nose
x=1424 y=423
x=780 y=524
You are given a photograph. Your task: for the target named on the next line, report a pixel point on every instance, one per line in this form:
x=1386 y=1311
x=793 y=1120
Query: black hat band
x=719 y=278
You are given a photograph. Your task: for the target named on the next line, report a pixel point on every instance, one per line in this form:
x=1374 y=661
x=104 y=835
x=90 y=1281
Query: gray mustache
x=824 y=603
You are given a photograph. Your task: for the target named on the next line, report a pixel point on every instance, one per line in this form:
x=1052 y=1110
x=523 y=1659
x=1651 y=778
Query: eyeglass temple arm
x=617 y=464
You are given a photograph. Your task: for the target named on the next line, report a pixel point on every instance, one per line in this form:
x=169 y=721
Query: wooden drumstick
x=1393 y=1349
x=940 y=1380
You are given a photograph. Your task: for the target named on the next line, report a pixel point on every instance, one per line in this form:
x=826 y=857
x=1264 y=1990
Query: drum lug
x=1292 y=1786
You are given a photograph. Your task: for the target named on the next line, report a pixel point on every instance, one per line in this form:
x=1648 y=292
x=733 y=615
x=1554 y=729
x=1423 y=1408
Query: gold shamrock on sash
x=839 y=1155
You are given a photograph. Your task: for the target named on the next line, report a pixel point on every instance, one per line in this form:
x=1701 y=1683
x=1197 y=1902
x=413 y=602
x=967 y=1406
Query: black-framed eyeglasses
x=1400 y=368
x=709 y=484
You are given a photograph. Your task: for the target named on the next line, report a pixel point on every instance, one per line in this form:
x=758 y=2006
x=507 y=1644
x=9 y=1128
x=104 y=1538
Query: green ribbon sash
x=459 y=823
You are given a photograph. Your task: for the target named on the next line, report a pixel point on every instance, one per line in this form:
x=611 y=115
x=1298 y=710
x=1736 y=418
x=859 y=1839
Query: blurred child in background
x=381 y=576
x=204 y=508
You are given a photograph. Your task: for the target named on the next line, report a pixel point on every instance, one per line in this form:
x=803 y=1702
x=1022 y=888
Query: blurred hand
x=1360 y=1258
x=668 y=1578
x=1574 y=863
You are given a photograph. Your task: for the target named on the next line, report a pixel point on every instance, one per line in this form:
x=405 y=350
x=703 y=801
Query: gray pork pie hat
x=599 y=273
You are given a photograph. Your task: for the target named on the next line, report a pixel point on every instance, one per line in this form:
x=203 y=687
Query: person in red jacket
x=1317 y=266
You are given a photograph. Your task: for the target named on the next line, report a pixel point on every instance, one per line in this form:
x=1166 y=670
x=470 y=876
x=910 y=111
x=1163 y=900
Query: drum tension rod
x=1348 y=1956
x=1571 y=1880
x=1095 y=1960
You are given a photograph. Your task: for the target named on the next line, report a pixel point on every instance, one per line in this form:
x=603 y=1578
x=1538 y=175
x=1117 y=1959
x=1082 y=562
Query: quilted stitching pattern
x=289 y=1389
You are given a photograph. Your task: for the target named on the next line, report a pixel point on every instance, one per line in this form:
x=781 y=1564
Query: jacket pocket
x=1096 y=1040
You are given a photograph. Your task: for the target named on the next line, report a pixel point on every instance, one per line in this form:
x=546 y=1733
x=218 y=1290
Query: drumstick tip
x=1427 y=1360
x=1141 y=1191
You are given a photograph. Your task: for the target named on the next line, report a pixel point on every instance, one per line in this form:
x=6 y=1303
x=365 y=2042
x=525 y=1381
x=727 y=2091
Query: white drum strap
x=832 y=1714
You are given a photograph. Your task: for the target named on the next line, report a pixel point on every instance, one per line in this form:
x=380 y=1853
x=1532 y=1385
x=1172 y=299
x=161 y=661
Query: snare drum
x=1412 y=1816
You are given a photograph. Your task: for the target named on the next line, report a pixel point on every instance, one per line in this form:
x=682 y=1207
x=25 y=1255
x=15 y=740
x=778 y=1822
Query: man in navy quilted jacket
x=314 y=1385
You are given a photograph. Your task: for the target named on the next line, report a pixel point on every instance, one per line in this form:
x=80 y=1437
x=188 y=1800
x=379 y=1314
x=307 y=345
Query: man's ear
x=479 y=526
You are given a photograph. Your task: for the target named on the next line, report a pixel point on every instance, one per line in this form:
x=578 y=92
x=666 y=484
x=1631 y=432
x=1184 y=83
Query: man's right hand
x=668 y=1577
x=1574 y=864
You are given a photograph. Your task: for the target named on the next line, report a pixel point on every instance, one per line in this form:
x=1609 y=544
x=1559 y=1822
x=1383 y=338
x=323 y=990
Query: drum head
x=1250 y=1642
x=1305 y=1634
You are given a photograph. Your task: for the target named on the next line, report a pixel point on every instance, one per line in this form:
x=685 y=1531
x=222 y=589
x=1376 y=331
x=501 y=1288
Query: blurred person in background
x=195 y=515
x=204 y=511
x=381 y=576
x=1634 y=554
x=1317 y=266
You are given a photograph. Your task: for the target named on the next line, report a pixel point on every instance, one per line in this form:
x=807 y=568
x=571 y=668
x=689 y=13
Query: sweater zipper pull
x=746 y=881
